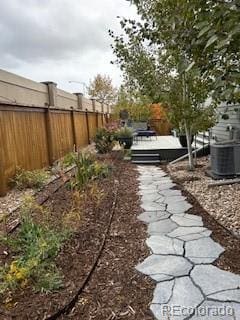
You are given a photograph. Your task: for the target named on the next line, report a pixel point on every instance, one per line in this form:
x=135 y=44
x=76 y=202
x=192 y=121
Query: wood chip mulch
x=115 y=290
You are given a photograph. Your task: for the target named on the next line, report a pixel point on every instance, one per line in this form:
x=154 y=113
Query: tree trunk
x=189 y=146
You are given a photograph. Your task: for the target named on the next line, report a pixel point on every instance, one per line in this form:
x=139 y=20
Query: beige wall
x=19 y=90
x=87 y=104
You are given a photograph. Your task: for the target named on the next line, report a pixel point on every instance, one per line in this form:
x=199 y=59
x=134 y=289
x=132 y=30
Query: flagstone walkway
x=188 y=285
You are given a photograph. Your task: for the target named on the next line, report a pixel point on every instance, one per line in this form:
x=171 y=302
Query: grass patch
x=35 y=179
x=35 y=247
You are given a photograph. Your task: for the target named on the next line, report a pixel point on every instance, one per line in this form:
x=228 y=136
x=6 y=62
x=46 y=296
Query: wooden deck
x=157 y=149
x=157 y=143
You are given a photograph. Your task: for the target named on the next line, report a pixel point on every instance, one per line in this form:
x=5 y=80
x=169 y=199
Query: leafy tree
x=207 y=33
x=180 y=52
x=102 y=89
x=187 y=107
x=137 y=105
x=218 y=43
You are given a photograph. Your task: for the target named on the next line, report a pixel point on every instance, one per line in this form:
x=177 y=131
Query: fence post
x=52 y=92
x=97 y=124
x=74 y=130
x=87 y=123
x=93 y=104
x=49 y=136
x=79 y=100
x=102 y=113
x=103 y=120
x=52 y=97
x=3 y=182
x=102 y=107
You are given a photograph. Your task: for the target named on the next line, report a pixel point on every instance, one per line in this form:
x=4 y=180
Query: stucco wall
x=20 y=90
x=23 y=91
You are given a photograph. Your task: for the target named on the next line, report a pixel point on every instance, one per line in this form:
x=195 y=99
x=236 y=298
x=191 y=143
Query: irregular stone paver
x=179 y=207
x=195 y=236
x=160 y=200
x=153 y=206
x=163 y=292
x=165 y=245
x=165 y=186
x=212 y=279
x=161 y=181
x=189 y=233
x=187 y=220
x=170 y=193
x=184 y=293
x=182 y=253
x=161 y=227
x=157 y=176
x=229 y=295
x=146 y=192
x=164 y=267
x=210 y=310
x=148 y=187
x=153 y=216
x=203 y=250
x=154 y=197
x=172 y=199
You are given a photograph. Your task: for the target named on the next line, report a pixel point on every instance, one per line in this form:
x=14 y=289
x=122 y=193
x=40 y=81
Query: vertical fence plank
x=75 y=146
x=87 y=123
x=49 y=136
x=3 y=184
x=97 y=124
x=102 y=116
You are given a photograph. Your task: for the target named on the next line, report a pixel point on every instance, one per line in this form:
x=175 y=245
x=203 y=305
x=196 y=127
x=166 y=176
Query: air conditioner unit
x=225 y=158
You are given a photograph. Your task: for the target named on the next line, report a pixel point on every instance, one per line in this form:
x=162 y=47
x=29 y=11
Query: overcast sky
x=60 y=40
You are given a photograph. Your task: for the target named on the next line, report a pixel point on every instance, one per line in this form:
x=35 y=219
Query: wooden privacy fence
x=34 y=137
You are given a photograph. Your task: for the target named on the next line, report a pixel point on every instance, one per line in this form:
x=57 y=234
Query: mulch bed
x=229 y=259
x=115 y=290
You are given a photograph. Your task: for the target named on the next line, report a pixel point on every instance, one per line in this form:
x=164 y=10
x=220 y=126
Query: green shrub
x=104 y=140
x=87 y=168
x=35 y=247
x=30 y=179
x=124 y=132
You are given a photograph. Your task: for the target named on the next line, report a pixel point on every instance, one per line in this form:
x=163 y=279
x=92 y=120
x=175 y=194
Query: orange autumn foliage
x=158 y=112
x=159 y=120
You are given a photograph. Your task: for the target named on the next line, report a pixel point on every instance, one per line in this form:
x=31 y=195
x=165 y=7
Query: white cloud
x=60 y=40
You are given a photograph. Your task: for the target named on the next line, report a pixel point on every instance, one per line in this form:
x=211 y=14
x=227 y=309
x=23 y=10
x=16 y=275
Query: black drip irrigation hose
x=70 y=305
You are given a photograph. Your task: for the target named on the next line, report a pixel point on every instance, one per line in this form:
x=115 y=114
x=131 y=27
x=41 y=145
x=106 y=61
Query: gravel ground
x=222 y=202
x=13 y=200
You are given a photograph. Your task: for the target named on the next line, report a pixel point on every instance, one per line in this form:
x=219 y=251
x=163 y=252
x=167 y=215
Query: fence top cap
x=78 y=93
x=49 y=82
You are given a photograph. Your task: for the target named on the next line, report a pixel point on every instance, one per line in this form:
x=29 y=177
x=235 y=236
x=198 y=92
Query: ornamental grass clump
x=124 y=132
x=87 y=168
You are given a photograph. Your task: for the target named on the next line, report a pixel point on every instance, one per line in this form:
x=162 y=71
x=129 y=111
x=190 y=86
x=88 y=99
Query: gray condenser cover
x=225 y=159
